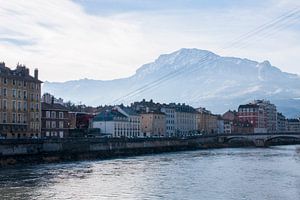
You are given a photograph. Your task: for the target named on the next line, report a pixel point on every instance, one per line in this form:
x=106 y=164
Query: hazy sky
x=107 y=39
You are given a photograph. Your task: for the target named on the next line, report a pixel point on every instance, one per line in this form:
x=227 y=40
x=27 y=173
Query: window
x=37 y=126
x=32 y=116
x=31 y=106
x=37 y=116
x=61 y=134
x=31 y=125
x=61 y=115
x=14 y=82
x=19 y=105
x=53 y=114
x=4 y=117
x=53 y=124
x=61 y=124
x=19 y=118
x=47 y=134
x=47 y=124
x=14 y=93
x=14 y=118
x=25 y=118
x=4 y=104
x=24 y=83
x=47 y=114
x=14 y=105
x=5 y=81
x=19 y=94
x=37 y=107
x=4 y=92
x=25 y=94
x=25 y=106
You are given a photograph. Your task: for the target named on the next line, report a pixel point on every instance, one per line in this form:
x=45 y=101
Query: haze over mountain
x=196 y=77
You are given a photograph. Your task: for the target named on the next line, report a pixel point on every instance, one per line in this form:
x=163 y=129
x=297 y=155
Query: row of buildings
x=169 y=120
x=24 y=113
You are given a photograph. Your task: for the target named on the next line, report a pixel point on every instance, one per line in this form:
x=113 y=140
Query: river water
x=216 y=174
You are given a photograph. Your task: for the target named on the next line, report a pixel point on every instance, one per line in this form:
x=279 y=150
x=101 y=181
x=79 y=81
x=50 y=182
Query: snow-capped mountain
x=193 y=76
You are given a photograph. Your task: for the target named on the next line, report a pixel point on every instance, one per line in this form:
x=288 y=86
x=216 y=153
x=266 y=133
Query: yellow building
x=153 y=124
x=20 y=104
x=206 y=121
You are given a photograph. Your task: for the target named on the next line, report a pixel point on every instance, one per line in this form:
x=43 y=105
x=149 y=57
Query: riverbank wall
x=32 y=151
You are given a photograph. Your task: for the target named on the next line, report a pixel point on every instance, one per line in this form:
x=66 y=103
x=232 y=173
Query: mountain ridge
x=205 y=78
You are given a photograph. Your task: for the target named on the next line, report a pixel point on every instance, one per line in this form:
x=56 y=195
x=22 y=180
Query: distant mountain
x=193 y=76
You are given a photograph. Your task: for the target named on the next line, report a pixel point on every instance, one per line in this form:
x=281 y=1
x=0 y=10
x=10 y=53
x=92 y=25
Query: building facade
x=170 y=120
x=185 y=119
x=270 y=112
x=207 y=122
x=220 y=125
x=255 y=115
x=55 y=121
x=20 y=105
x=153 y=124
x=293 y=125
x=118 y=122
x=261 y=114
x=230 y=118
x=281 y=123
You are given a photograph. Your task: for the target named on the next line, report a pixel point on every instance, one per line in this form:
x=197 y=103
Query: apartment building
x=261 y=114
x=208 y=122
x=153 y=124
x=185 y=122
x=55 y=121
x=20 y=105
x=169 y=120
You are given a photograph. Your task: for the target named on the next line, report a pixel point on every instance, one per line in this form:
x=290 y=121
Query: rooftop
x=108 y=115
x=249 y=106
x=21 y=72
x=54 y=106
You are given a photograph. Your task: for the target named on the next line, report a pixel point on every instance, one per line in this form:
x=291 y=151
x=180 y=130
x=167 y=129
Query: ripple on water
x=241 y=173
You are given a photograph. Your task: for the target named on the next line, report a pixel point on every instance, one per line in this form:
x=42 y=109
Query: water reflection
x=247 y=173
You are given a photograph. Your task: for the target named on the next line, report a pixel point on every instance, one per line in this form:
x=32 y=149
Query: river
x=215 y=174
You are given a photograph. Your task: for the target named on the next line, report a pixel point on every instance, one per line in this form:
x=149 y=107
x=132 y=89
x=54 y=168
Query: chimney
x=2 y=64
x=52 y=100
x=36 y=73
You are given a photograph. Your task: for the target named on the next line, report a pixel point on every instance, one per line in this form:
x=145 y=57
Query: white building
x=180 y=119
x=220 y=125
x=170 y=121
x=118 y=122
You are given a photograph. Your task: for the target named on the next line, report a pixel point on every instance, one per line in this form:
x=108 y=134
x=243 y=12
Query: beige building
x=206 y=121
x=153 y=124
x=20 y=105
